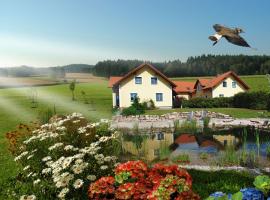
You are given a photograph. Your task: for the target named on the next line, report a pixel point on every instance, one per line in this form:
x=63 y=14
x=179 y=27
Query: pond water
x=227 y=147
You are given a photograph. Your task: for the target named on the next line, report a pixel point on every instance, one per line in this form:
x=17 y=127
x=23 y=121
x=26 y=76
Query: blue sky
x=56 y=32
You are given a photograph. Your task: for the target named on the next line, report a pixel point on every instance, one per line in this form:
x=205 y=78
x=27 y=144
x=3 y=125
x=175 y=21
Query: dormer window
x=153 y=80
x=138 y=80
x=224 y=83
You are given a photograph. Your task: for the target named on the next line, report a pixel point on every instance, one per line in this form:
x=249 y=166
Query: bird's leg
x=215 y=38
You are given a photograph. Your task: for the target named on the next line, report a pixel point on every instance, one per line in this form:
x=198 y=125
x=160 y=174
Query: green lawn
x=256 y=82
x=15 y=107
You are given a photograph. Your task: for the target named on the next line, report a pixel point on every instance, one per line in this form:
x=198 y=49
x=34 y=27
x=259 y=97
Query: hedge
x=223 y=102
x=253 y=100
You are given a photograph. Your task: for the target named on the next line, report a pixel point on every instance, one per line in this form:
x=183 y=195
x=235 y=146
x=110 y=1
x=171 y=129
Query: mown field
x=16 y=106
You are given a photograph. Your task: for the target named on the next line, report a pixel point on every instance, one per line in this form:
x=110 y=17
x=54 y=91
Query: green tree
x=72 y=87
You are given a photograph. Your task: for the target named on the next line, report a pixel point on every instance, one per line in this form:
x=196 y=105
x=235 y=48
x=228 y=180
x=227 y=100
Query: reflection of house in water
x=150 y=147
x=227 y=140
x=187 y=141
x=197 y=143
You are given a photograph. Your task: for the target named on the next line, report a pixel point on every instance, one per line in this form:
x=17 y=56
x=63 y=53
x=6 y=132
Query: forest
x=204 y=65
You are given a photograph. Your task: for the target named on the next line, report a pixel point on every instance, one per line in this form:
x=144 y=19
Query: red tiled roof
x=208 y=143
x=211 y=83
x=218 y=79
x=185 y=138
x=184 y=87
x=140 y=67
x=113 y=80
x=203 y=82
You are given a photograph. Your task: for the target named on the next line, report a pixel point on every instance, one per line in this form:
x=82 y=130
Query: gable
x=145 y=73
x=144 y=66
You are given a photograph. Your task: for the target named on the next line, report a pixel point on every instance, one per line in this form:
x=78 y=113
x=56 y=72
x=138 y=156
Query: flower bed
x=63 y=157
x=134 y=180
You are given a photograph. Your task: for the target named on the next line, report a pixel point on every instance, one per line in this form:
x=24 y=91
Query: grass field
x=16 y=107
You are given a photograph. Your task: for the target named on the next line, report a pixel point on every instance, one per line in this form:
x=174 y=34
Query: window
x=224 y=83
x=153 y=80
x=160 y=136
x=138 y=80
x=221 y=95
x=234 y=84
x=133 y=96
x=159 y=97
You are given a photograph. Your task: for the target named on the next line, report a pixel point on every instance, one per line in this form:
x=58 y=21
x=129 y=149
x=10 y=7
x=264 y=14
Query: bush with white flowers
x=63 y=157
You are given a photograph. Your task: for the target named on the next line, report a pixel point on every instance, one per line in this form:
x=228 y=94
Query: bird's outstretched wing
x=237 y=40
x=223 y=30
x=218 y=27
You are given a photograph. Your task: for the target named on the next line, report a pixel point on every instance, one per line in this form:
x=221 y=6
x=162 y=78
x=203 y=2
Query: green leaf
x=237 y=196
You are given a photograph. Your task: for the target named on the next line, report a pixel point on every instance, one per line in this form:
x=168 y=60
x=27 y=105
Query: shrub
x=134 y=180
x=129 y=111
x=206 y=183
x=252 y=100
x=262 y=183
x=16 y=137
x=62 y=157
x=149 y=105
x=223 y=102
x=136 y=108
x=268 y=104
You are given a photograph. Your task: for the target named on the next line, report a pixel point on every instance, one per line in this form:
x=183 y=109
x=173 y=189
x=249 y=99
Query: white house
x=148 y=83
x=145 y=82
x=224 y=85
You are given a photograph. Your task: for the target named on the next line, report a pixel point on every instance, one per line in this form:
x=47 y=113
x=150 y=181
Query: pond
x=239 y=146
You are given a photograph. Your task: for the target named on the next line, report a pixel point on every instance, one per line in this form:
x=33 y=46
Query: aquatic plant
x=188 y=126
x=257 y=134
x=206 y=121
x=268 y=149
x=181 y=158
x=164 y=151
x=204 y=156
x=229 y=157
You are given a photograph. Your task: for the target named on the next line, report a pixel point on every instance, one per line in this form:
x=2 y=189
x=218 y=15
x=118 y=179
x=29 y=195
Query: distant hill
x=58 y=71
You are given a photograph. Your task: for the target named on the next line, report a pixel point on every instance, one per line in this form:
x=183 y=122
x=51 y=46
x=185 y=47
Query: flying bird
x=230 y=34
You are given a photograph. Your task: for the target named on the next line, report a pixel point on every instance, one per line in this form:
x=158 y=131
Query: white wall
x=146 y=90
x=229 y=90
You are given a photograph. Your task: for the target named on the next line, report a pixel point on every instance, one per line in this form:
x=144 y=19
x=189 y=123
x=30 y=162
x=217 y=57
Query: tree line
x=204 y=65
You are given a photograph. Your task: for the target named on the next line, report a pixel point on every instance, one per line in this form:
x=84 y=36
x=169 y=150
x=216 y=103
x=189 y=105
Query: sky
x=59 y=32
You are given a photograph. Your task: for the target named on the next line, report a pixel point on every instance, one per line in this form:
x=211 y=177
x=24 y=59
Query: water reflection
x=153 y=145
